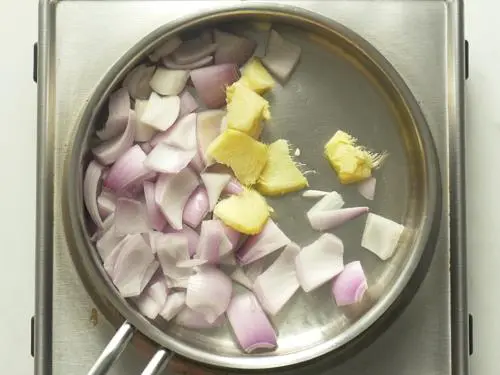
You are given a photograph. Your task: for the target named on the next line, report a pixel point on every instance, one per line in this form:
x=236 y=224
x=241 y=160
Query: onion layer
x=90 y=186
x=168 y=81
x=381 y=236
x=168 y=159
x=173 y=305
x=211 y=82
x=118 y=113
x=350 y=285
x=196 y=207
x=127 y=170
x=155 y=215
x=325 y=220
x=137 y=81
x=213 y=243
x=161 y=112
x=281 y=56
x=131 y=217
x=249 y=323
x=232 y=49
x=367 y=188
x=191 y=319
x=215 y=184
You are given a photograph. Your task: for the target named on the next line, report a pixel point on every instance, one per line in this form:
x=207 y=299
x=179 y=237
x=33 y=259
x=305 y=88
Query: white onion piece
x=153 y=298
x=150 y=238
x=367 y=188
x=196 y=208
x=232 y=49
x=381 y=236
x=232 y=235
x=170 y=249
x=169 y=82
x=191 y=319
x=109 y=151
x=173 y=305
x=350 y=285
x=171 y=64
x=211 y=81
x=106 y=225
x=278 y=283
x=269 y=240
x=109 y=260
x=207 y=129
x=168 y=159
x=155 y=215
x=241 y=278
x=193 y=50
x=106 y=203
x=213 y=243
x=233 y=187
x=315 y=193
x=131 y=217
x=108 y=242
x=166 y=48
x=215 y=184
x=181 y=135
x=197 y=163
x=132 y=265
x=188 y=103
x=250 y=324
x=325 y=220
x=281 y=56
x=177 y=190
x=161 y=111
x=331 y=201
x=127 y=170
x=91 y=184
x=118 y=113
x=209 y=292
x=192 y=236
x=320 y=261
x=137 y=81
x=143 y=132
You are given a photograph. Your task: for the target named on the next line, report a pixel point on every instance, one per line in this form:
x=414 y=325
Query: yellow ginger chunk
x=256 y=77
x=246 y=109
x=243 y=154
x=247 y=212
x=352 y=163
x=280 y=175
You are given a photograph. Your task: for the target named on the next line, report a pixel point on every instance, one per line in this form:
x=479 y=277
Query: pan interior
x=337 y=85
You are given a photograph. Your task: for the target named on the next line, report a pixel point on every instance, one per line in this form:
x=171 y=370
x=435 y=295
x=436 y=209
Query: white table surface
x=18 y=31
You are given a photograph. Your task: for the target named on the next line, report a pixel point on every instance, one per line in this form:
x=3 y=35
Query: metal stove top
x=418 y=37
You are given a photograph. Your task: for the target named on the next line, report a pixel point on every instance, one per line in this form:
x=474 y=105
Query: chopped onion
x=171 y=64
x=173 y=305
x=169 y=82
x=132 y=265
x=137 y=81
x=232 y=49
x=367 y=188
x=176 y=191
x=169 y=46
x=192 y=236
x=191 y=319
x=118 y=114
x=181 y=135
x=209 y=293
x=193 y=50
x=188 y=104
x=211 y=82
x=155 y=215
x=249 y=323
x=106 y=224
x=170 y=249
x=281 y=56
x=108 y=242
x=197 y=163
x=215 y=184
x=381 y=236
x=213 y=243
x=111 y=254
x=276 y=285
x=233 y=187
x=325 y=220
x=131 y=217
x=196 y=207
x=320 y=261
x=106 y=203
x=161 y=111
x=127 y=170
x=269 y=240
x=241 y=278
x=109 y=151
x=90 y=186
x=168 y=159
x=350 y=285
x=143 y=132
x=232 y=235
x=207 y=129
x=153 y=298
x=331 y=201
x=191 y=263
x=315 y=193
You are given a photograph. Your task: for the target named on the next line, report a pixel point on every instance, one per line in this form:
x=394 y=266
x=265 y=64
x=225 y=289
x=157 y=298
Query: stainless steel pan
x=342 y=82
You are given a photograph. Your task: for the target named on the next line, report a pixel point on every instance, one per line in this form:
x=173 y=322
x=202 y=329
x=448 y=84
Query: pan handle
x=113 y=350
x=158 y=362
